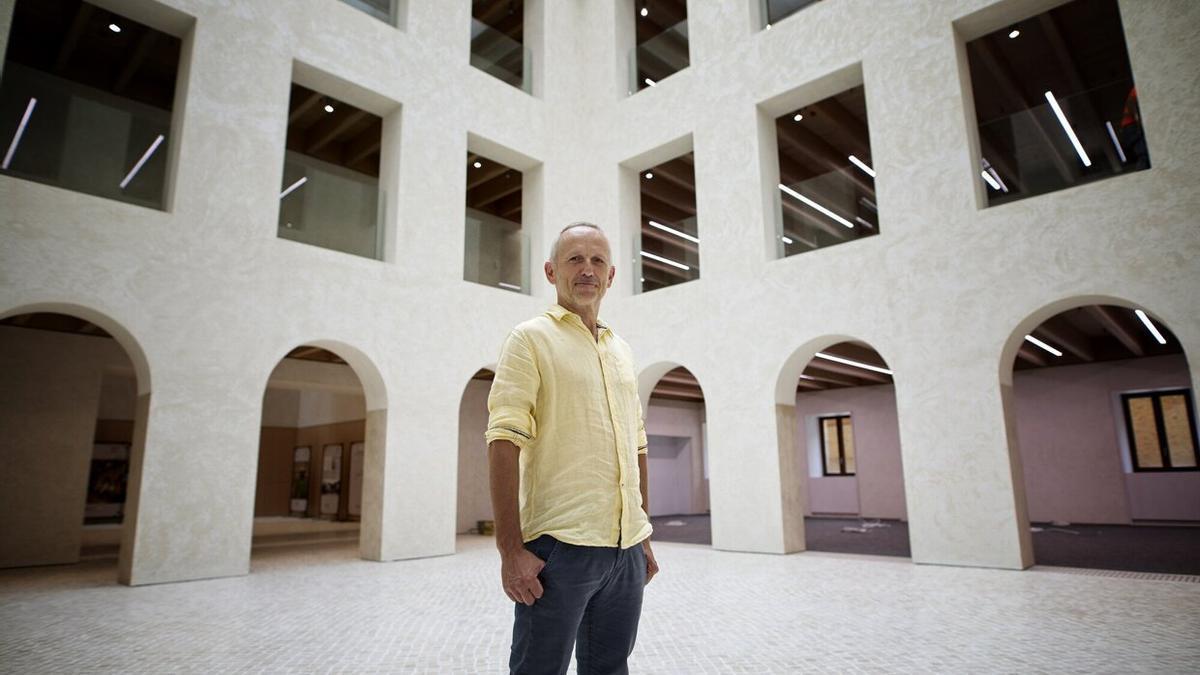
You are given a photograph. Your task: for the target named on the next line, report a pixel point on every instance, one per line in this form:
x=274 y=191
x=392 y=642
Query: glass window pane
x=670 y=237
x=848 y=445
x=75 y=113
x=1179 y=432
x=826 y=192
x=1145 y=433
x=776 y=10
x=1055 y=102
x=830 y=434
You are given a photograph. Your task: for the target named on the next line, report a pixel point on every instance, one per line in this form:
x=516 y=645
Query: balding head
x=558 y=240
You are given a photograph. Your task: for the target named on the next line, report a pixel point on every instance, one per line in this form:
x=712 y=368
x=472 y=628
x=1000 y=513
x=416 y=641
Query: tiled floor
x=319 y=609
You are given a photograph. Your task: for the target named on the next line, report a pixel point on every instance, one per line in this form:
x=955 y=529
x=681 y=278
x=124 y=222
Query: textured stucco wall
x=207 y=299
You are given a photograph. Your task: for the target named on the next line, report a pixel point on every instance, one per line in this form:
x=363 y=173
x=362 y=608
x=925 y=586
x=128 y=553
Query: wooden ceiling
x=669 y=198
x=505 y=16
x=814 y=159
x=493 y=188
x=72 y=40
x=348 y=136
x=1092 y=334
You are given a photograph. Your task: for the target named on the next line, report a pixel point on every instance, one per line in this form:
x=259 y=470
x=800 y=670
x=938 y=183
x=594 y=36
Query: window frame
x=841 y=447
x=1160 y=428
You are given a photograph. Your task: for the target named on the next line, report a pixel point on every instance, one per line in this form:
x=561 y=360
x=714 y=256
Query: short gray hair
x=554 y=247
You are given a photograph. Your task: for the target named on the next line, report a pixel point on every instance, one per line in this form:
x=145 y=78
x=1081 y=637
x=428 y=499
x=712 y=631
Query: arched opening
x=1099 y=401
x=677 y=454
x=76 y=392
x=839 y=397
x=474 y=505
x=320 y=437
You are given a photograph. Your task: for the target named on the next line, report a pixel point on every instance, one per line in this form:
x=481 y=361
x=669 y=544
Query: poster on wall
x=106 y=483
x=301 y=456
x=331 y=479
x=357 y=452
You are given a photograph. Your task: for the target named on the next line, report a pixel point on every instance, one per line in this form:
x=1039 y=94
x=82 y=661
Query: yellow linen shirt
x=570 y=403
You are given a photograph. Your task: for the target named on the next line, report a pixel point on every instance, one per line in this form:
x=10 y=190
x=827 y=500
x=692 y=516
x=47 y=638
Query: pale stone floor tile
x=318 y=609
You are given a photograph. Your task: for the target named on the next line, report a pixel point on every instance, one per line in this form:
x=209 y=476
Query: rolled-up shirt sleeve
x=512 y=401
x=643 y=445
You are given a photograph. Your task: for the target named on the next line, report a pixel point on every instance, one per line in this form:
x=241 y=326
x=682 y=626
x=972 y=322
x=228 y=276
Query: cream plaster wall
x=212 y=298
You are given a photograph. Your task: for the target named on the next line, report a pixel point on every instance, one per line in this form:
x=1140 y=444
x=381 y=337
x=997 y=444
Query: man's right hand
x=519 y=572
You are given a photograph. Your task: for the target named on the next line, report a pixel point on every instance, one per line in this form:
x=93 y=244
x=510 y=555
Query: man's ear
x=612 y=271
x=549 y=269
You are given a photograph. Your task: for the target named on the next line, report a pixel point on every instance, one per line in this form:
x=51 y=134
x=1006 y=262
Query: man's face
x=583 y=270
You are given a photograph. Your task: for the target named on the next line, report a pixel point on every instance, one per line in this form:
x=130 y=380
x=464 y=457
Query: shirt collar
x=558 y=312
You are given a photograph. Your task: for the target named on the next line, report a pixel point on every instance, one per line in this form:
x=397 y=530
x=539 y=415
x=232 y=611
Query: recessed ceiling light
x=478 y=165
x=797 y=117
x=645 y=12
x=768 y=26
x=649 y=175
x=114 y=28
x=1014 y=34
x=328 y=107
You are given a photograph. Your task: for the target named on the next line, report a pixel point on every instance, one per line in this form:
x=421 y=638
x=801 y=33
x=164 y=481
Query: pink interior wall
x=879 y=483
x=1070 y=429
x=677 y=485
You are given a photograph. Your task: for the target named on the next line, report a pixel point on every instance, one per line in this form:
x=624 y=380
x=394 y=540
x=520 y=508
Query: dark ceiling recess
x=505 y=16
x=73 y=40
x=58 y=323
x=662 y=43
x=493 y=188
x=314 y=354
x=1092 y=334
x=678 y=385
x=348 y=136
x=668 y=197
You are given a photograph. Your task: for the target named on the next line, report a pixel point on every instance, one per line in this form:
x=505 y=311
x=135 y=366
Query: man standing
x=567 y=458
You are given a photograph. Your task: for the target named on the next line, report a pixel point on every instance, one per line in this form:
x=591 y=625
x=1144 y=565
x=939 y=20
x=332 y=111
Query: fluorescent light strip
x=816 y=206
x=651 y=82
x=806 y=377
x=1113 y=135
x=856 y=364
x=990 y=181
x=293 y=186
x=787 y=240
x=677 y=233
x=1062 y=119
x=145 y=156
x=509 y=286
x=1151 y=327
x=668 y=261
x=12 y=147
x=864 y=222
x=1043 y=345
x=860 y=164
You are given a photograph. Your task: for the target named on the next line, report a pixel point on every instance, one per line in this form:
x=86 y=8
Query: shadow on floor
x=1134 y=548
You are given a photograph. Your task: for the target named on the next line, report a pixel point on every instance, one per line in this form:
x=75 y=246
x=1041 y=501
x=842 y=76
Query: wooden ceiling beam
x=78 y=24
x=489 y=170
x=1029 y=355
x=1058 y=329
x=820 y=374
x=303 y=106
x=680 y=198
x=848 y=350
x=495 y=189
x=653 y=209
x=808 y=145
x=363 y=146
x=326 y=131
x=144 y=45
x=1112 y=321
x=674 y=172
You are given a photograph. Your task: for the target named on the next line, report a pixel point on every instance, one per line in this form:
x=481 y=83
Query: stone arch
x=74 y=475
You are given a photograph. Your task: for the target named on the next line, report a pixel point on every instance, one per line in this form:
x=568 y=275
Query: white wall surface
x=213 y=298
